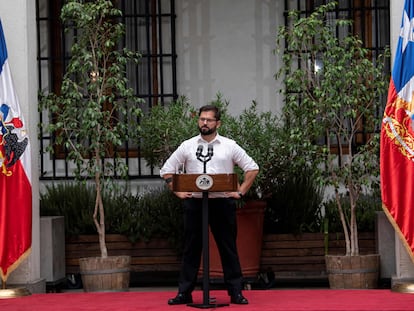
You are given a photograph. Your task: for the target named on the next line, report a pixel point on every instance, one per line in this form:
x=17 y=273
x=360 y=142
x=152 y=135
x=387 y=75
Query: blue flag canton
x=3 y=48
x=403 y=69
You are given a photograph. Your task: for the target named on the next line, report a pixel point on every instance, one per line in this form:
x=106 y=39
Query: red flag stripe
x=15 y=175
x=397 y=137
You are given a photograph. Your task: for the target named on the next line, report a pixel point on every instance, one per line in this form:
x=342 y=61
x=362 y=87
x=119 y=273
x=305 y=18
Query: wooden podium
x=221 y=182
x=205 y=183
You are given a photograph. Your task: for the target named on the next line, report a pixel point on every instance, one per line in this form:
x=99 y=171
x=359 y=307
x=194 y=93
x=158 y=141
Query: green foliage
x=156 y=212
x=333 y=91
x=74 y=201
x=95 y=111
x=295 y=205
x=264 y=137
x=260 y=134
x=95 y=107
x=164 y=128
x=368 y=206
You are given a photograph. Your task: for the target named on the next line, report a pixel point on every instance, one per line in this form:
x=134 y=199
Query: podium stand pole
x=195 y=183
x=206 y=250
x=206 y=262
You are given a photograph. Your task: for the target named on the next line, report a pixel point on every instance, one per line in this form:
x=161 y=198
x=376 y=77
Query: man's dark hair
x=217 y=113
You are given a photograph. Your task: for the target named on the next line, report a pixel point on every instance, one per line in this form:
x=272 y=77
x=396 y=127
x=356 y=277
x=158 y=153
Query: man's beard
x=206 y=131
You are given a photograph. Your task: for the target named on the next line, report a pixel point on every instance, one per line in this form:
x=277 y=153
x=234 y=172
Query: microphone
x=199 y=151
x=210 y=150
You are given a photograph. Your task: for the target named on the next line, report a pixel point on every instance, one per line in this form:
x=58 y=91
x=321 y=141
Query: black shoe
x=239 y=299
x=180 y=299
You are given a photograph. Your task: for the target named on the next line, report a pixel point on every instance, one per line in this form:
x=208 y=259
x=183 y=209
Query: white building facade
x=221 y=46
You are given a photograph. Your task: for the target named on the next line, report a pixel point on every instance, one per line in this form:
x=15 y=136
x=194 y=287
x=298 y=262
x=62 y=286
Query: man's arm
x=249 y=177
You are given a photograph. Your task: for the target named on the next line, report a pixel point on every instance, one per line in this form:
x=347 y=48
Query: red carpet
x=263 y=300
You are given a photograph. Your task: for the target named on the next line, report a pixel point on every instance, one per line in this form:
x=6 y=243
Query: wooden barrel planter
x=105 y=274
x=353 y=272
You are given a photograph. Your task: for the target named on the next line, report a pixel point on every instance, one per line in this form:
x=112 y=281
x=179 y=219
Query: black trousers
x=223 y=225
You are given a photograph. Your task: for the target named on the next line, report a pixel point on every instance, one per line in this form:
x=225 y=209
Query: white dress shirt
x=226 y=154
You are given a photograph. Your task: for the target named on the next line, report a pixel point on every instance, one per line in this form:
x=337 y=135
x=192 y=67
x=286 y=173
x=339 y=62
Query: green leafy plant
x=154 y=212
x=164 y=128
x=333 y=95
x=151 y=213
x=294 y=205
x=259 y=133
x=368 y=206
x=74 y=201
x=95 y=110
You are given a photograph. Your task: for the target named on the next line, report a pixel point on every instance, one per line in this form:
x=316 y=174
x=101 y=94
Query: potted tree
x=333 y=97
x=94 y=112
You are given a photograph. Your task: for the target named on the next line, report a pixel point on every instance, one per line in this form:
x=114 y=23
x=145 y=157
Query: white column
x=19 y=26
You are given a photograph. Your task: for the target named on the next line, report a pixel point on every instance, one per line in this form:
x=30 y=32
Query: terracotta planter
x=105 y=274
x=359 y=272
x=249 y=241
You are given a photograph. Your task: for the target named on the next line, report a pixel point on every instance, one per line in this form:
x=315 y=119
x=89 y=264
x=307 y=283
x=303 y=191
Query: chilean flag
x=15 y=175
x=397 y=137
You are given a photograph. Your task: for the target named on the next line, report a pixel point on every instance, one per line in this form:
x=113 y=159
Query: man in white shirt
x=222 y=205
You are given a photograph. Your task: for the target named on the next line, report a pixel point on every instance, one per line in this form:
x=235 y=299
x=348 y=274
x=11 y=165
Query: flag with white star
x=15 y=174
x=397 y=136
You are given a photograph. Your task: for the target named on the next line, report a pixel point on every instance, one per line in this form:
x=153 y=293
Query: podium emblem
x=204 y=182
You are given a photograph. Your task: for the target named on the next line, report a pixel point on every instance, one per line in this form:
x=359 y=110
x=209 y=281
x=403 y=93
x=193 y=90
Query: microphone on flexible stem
x=199 y=151
x=210 y=150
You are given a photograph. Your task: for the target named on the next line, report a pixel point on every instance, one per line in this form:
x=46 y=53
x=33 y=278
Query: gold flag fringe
x=14 y=265
x=398 y=230
x=403 y=287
